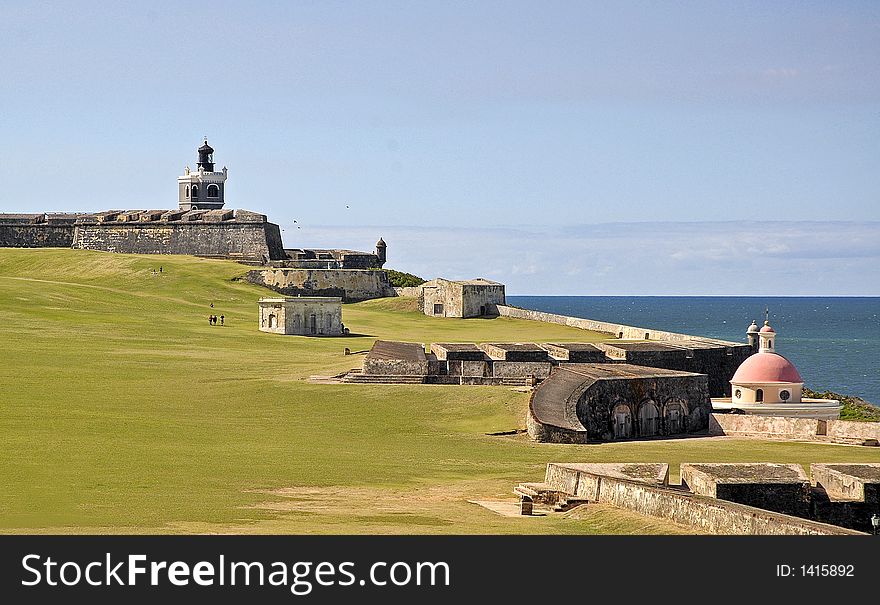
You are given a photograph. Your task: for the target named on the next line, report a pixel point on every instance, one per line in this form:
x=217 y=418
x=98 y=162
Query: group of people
x=212 y=319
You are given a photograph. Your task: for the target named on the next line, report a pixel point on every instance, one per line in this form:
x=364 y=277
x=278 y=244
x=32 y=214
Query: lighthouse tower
x=203 y=188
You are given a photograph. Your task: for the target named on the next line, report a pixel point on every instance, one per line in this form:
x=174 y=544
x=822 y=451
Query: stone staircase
x=358 y=377
x=544 y=493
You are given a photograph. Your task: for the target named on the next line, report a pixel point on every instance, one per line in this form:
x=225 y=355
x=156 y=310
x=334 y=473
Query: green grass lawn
x=124 y=411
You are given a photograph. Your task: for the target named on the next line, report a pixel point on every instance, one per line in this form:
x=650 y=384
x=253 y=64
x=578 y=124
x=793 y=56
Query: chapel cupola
x=767 y=335
x=203 y=188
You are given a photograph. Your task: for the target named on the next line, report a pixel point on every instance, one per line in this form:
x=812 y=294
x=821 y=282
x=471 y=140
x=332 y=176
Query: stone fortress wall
x=349 y=284
x=234 y=234
x=37 y=230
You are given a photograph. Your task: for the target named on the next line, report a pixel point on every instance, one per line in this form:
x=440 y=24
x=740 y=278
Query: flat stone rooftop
x=754 y=472
x=514 y=351
x=597 y=371
x=850 y=482
x=389 y=349
x=464 y=351
x=643 y=472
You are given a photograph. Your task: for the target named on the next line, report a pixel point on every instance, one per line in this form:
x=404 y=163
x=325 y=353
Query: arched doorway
x=649 y=419
x=697 y=420
x=759 y=395
x=273 y=321
x=674 y=415
x=622 y=421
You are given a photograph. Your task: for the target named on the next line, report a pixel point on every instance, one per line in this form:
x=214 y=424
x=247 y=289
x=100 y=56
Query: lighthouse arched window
x=187 y=192
x=195 y=191
x=213 y=191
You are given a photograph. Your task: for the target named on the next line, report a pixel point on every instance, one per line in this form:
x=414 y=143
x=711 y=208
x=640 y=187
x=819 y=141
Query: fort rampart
x=349 y=284
x=239 y=234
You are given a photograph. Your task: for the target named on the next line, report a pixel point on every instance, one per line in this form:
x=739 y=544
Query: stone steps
x=544 y=493
x=360 y=378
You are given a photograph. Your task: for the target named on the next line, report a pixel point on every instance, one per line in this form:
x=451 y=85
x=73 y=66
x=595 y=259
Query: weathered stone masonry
x=349 y=284
x=239 y=234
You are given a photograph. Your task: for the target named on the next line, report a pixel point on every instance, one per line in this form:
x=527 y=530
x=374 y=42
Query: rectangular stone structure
x=853 y=482
x=302 y=315
x=575 y=352
x=390 y=358
x=514 y=351
x=458 y=351
x=782 y=488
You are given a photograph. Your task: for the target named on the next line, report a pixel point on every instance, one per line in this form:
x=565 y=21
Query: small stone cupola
x=381 y=251
x=203 y=188
x=752 y=334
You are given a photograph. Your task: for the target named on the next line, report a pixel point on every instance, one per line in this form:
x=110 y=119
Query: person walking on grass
x=222 y=317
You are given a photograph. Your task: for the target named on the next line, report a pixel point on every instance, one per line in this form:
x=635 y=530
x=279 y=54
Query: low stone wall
x=798 y=429
x=703 y=513
x=618 y=330
x=849 y=431
x=349 y=284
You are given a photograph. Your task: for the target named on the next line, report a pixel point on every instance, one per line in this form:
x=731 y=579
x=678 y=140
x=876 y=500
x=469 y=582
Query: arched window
x=759 y=395
x=621 y=421
x=213 y=191
x=187 y=191
x=195 y=191
x=648 y=419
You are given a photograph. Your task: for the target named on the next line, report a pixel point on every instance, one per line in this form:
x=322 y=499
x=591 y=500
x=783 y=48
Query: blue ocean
x=833 y=341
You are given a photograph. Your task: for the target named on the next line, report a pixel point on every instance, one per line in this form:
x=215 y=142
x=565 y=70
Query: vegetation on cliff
x=399 y=279
x=854 y=408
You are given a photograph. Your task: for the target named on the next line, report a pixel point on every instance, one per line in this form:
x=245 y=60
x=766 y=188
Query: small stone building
x=465 y=298
x=303 y=315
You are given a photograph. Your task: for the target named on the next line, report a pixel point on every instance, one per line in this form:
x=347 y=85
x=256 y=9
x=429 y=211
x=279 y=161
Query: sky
x=560 y=147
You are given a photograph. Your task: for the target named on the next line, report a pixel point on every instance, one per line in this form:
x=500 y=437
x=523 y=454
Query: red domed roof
x=766 y=367
x=767 y=329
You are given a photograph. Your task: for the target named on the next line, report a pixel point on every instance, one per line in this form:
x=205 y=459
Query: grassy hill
x=123 y=410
